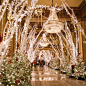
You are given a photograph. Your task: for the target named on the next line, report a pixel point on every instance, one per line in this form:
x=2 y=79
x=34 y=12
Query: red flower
x=0 y=75
x=28 y=80
x=25 y=73
x=8 y=56
x=16 y=51
x=79 y=53
x=20 y=77
x=9 y=62
x=17 y=81
x=72 y=65
x=16 y=59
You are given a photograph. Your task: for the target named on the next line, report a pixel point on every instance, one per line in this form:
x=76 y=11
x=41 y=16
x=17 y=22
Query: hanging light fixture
x=44 y=42
x=53 y=25
x=38 y=12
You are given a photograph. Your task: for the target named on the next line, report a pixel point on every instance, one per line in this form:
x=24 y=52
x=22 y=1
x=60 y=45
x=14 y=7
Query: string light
x=52 y=25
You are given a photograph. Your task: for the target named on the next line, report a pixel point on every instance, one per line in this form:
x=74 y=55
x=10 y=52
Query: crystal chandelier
x=53 y=25
x=44 y=42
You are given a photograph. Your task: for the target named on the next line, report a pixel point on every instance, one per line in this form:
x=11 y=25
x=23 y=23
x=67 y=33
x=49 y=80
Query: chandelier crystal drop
x=53 y=25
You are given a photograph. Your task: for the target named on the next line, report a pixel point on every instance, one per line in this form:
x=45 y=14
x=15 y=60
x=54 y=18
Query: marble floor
x=45 y=76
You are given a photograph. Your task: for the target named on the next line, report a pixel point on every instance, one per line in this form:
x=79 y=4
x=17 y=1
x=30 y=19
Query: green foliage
x=54 y=63
x=79 y=70
x=16 y=71
x=64 y=65
x=69 y=71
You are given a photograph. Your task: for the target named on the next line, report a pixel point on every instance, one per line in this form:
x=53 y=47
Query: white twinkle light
x=52 y=25
x=44 y=41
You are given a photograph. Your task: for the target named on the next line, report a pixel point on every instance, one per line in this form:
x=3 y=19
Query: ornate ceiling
x=71 y=3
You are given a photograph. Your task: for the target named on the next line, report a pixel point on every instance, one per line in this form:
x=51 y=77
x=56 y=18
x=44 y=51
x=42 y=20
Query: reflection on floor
x=45 y=76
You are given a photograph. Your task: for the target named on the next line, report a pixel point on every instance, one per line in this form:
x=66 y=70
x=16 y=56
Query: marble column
x=80 y=43
x=83 y=23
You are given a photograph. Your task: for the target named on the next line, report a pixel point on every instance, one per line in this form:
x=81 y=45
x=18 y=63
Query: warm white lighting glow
x=44 y=42
x=53 y=25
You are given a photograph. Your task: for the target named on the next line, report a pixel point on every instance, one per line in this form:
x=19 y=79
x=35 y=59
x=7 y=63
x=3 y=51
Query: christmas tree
x=64 y=65
x=54 y=64
x=79 y=69
x=16 y=71
x=70 y=70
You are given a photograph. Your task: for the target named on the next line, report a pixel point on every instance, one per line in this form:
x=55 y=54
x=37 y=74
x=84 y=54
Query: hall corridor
x=45 y=76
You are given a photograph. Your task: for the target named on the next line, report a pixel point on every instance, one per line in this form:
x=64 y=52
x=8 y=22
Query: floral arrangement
x=16 y=71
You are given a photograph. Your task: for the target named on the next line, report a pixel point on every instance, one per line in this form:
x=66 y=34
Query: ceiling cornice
x=82 y=4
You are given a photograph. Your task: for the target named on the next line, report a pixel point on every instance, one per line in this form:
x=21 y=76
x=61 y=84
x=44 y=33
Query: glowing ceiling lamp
x=38 y=12
x=44 y=42
x=53 y=25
